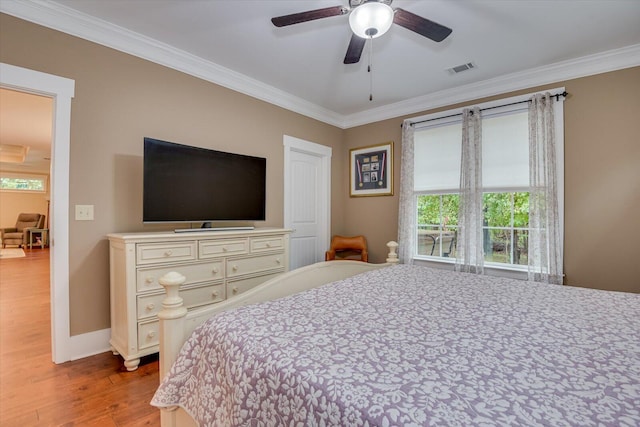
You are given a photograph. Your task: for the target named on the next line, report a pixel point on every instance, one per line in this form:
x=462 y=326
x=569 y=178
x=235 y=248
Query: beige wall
x=120 y=99
x=602 y=181
x=375 y=217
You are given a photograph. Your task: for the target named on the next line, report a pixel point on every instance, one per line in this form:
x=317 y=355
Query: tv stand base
x=197 y=230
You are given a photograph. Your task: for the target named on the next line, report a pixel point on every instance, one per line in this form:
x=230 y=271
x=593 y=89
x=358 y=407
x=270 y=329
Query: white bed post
x=171 y=321
x=392 y=257
x=171 y=333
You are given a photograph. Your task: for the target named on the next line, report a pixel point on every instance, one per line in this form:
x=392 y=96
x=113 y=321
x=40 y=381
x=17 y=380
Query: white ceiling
x=513 y=43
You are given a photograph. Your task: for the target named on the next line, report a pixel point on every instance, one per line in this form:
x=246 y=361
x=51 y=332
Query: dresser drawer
x=163 y=253
x=236 y=287
x=242 y=266
x=147 y=278
x=203 y=295
x=150 y=305
x=218 y=248
x=148 y=334
x=261 y=244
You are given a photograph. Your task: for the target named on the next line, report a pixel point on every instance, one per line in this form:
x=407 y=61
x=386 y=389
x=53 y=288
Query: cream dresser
x=216 y=264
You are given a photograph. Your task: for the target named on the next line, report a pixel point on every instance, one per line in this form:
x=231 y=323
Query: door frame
x=61 y=90
x=324 y=153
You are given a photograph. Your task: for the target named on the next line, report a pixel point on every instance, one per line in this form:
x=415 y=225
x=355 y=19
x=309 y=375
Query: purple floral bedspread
x=414 y=346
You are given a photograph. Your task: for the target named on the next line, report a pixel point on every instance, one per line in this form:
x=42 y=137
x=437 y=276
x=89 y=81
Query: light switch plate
x=84 y=212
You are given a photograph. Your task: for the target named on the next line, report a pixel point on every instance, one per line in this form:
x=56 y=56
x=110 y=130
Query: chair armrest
x=7 y=230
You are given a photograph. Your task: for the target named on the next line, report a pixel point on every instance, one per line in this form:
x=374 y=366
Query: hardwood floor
x=95 y=391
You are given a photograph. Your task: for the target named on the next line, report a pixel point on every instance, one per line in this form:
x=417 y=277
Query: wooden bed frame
x=176 y=324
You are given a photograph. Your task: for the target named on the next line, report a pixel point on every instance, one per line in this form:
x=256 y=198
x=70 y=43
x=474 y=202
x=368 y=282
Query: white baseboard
x=90 y=344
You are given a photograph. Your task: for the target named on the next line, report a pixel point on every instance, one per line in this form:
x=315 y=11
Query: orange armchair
x=353 y=248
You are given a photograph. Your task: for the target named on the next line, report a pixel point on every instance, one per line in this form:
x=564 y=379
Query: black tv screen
x=191 y=184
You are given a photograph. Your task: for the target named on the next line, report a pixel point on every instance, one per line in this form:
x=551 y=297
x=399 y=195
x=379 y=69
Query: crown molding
x=611 y=60
x=70 y=21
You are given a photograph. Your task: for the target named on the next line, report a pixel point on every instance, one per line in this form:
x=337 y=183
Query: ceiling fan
x=369 y=19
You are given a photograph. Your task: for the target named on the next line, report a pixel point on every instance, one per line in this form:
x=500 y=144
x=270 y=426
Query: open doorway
x=61 y=91
x=26 y=125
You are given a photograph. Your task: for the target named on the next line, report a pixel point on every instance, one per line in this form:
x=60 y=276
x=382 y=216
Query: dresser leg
x=132 y=364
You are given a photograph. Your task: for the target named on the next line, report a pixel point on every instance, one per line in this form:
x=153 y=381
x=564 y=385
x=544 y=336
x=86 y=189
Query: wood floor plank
x=94 y=391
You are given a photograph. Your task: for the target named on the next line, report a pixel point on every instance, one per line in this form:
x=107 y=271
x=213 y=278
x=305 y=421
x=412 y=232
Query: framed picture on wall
x=371 y=170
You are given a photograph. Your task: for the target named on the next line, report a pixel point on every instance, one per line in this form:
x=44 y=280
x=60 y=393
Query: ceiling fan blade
x=354 y=51
x=420 y=25
x=296 y=18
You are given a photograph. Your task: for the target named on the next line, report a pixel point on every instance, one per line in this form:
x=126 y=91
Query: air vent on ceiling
x=460 y=68
x=13 y=153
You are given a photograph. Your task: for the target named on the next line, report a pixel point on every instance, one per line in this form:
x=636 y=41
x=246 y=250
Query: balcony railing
x=501 y=244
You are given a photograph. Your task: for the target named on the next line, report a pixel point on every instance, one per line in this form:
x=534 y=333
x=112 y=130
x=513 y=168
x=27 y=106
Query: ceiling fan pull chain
x=369 y=68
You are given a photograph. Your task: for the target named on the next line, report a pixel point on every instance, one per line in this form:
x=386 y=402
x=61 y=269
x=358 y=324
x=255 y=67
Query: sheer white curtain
x=407 y=202
x=545 y=255
x=469 y=250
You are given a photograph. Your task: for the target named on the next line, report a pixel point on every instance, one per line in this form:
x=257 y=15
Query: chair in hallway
x=18 y=235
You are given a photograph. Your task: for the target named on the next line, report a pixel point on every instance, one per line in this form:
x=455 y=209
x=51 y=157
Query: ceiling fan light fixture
x=371 y=19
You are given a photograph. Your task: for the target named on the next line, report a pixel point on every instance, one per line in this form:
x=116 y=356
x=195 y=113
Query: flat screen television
x=191 y=184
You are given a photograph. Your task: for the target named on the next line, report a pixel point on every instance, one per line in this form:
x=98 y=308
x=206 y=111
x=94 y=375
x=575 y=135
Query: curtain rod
x=556 y=96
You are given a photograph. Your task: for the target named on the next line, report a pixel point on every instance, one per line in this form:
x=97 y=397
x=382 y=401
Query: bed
x=403 y=345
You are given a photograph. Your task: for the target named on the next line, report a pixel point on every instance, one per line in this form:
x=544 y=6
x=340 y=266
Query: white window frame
x=499 y=107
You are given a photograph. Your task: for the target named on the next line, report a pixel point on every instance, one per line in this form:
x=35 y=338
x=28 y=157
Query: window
x=22 y=182
x=505 y=183
x=437 y=224
x=506 y=221
x=505 y=229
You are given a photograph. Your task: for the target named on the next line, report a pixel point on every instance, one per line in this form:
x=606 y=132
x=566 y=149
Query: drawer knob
x=268 y=244
x=168 y=253
x=234 y=268
x=278 y=261
x=151 y=334
x=216 y=270
x=150 y=306
x=224 y=249
x=235 y=290
x=149 y=279
x=214 y=294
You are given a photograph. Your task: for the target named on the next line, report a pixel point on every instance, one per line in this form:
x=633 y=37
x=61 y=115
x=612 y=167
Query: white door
x=307 y=200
